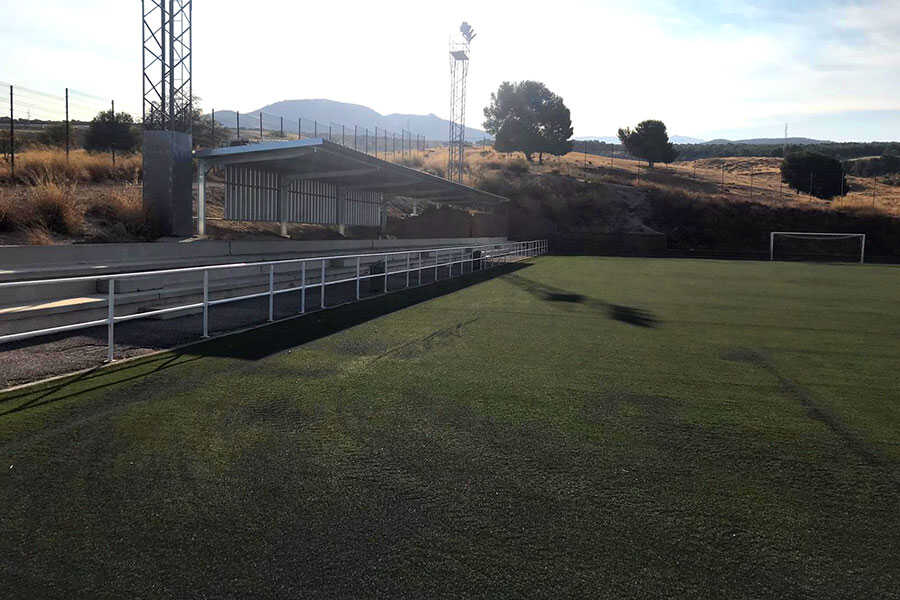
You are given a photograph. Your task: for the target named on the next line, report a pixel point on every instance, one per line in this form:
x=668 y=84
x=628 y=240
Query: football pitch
x=573 y=427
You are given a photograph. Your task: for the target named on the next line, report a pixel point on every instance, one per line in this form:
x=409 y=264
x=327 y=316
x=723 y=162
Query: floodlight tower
x=168 y=59
x=459 y=73
x=168 y=115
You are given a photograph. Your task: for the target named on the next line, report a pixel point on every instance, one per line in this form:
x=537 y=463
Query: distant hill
x=610 y=139
x=341 y=113
x=797 y=141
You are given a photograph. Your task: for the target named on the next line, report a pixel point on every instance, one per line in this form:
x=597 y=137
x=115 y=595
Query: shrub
x=518 y=166
x=49 y=207
x=813 y=173
x=112 y=131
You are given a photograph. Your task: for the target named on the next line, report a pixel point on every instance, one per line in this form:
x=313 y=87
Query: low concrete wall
x=22 y=257
x=635 y=244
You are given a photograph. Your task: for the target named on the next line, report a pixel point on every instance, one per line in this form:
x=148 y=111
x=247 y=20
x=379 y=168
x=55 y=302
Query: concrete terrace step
x=151 y=293
x=20 y=263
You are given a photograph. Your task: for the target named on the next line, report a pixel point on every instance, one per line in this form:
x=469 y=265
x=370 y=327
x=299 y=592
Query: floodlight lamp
x=467 y=31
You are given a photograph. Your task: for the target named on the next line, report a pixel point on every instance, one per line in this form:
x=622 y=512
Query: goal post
x=805 y=235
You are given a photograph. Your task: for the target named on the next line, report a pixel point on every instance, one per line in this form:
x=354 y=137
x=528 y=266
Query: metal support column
x=111 y=322
x=201 y=198
x=206 y=303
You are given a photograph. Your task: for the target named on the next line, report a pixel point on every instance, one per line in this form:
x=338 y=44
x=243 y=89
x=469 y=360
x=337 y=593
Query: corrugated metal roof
x=320 y=160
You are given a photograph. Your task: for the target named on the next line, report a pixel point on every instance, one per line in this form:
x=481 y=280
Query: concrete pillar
x=167 y=182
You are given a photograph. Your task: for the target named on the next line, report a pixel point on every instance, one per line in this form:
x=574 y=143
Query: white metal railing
x=487 y=256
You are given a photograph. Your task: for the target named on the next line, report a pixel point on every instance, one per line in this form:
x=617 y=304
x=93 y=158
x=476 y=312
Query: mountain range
x=611 y=139
x=796 y=141
x=681 y=139
x=331 y=112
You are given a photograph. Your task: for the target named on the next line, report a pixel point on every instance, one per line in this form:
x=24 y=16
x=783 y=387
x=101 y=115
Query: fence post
x=206 y=303
x=303 y=287
x=357 y=278
x=299 y=128
x=437 y=257
x=271 y=293
x=282 y=126
x=260 y=127
x=385 y=273
x=12 y=135
x=67 y=125
x=322 y=287
x=407 y=269
x=113 y=148
x=238 y=113
x=315 y=129
x=419 y=270
x=111 y=322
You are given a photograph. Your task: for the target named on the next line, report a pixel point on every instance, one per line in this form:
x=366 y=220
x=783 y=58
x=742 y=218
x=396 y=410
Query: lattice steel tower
x=459 y=73
x=168 y=59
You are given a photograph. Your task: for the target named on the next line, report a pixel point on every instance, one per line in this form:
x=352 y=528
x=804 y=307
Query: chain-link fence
x=32 y=118
x=226 y=127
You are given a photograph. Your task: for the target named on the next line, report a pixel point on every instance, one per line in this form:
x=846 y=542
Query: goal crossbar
x=809 y=235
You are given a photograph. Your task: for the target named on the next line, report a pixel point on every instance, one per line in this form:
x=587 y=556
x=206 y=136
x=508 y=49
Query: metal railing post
x=206 y=304
x=437 y=256
x=357 y=277
x=385 y=273
x=407 y=269
x=111 y=323
x=271 y=293
x=322 y=288
x=302 y=287
x=419 y=269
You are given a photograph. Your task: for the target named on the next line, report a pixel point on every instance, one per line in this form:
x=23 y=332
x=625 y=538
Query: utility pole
x=67 y=125
x=113 y=148
x=12 y=136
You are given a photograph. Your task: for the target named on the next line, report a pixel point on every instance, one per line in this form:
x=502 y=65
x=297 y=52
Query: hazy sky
x=707 y=68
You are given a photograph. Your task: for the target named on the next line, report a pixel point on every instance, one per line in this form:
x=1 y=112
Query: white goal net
x=801 y=245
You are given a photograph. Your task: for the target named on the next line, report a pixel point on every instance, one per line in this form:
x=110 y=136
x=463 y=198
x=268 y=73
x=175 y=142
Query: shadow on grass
x=616 y=312
x=251 y=345
x=258 y=344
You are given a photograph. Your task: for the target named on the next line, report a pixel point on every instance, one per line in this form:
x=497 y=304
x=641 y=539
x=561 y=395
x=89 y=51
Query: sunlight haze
x=708 y=69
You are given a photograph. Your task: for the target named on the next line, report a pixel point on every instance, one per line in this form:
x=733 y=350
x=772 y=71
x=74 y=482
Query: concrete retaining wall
x=19 y=262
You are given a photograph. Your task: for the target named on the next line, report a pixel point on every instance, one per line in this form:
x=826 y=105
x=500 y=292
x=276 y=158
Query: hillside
x=795 y=141
x=342 y=113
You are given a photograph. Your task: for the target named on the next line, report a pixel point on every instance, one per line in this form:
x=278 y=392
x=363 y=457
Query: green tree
x=816 y=174
x=207 y=134
x=650 y=141
x=527 y=117
x=55 y=135
x=112 y=131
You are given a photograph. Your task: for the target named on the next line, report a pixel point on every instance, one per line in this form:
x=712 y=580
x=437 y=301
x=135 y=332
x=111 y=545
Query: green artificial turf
x=577 y=427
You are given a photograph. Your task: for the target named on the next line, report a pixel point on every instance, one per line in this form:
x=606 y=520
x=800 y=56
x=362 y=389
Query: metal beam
x=328 y=174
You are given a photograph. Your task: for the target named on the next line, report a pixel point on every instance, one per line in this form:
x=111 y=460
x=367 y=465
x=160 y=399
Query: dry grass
x=46 y=209
x=52 y=213
x=39 y=166
x=755 y=179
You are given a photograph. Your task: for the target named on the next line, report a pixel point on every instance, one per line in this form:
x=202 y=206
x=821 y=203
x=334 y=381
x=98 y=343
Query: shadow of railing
x=617 y=312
